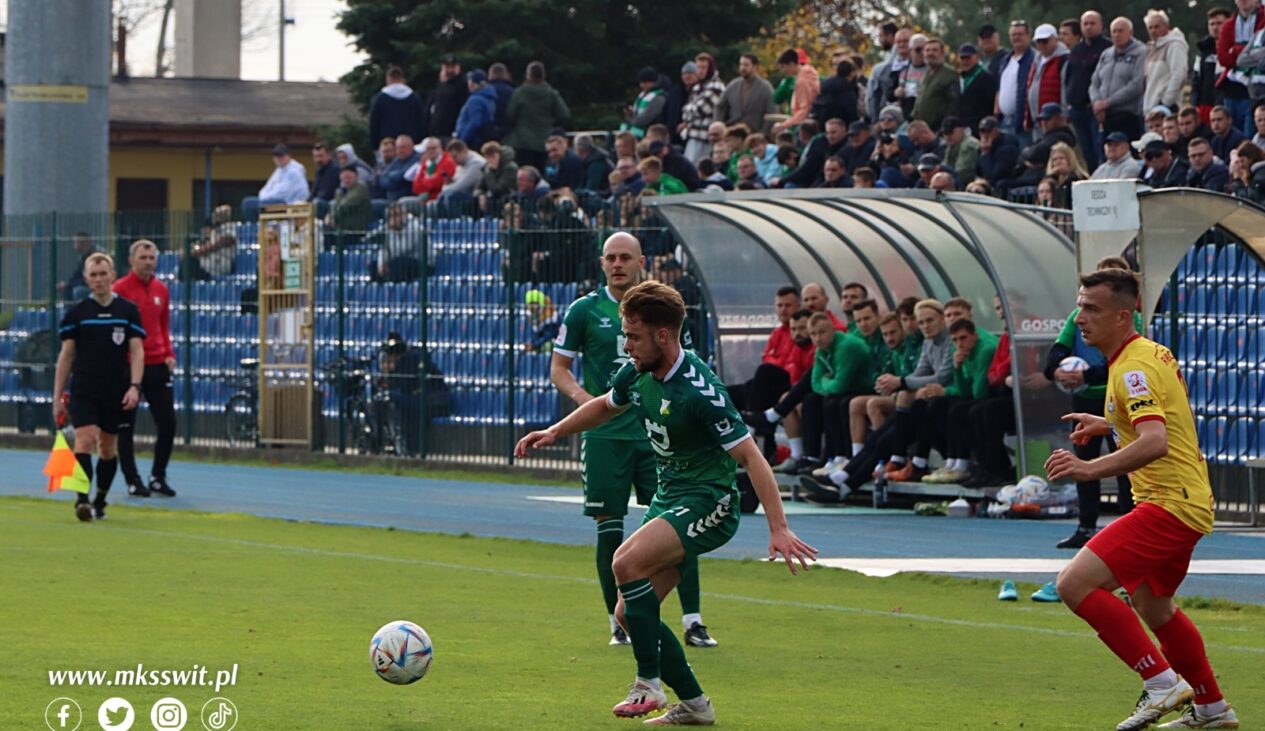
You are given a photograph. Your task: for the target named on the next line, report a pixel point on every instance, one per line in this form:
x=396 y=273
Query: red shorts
x=1147 y=546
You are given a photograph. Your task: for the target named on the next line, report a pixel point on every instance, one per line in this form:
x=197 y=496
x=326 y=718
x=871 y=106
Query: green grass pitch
x=520 y=633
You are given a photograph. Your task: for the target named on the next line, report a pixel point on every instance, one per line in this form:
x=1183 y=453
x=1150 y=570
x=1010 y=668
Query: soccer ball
x=1073 y=363
x=400 y=652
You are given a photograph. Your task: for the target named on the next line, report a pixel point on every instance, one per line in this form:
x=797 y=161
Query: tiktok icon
x=219 y=714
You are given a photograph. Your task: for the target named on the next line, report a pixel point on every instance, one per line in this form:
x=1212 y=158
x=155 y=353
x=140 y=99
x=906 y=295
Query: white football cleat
x=1155 y=704
x=642 y=699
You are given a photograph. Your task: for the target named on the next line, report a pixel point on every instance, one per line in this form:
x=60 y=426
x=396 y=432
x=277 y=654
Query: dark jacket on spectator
x=445 y=105
x=476 y=123
x=1222 y=144
x=1254 y=189
x=1174 y=176
x=1039 y=151
x=1203 y=82
x=394 y=111
x=325 y=183
x=1215 y=177
x=597 y=171
x=1078 y=70
x=534 y=111
x=998 y=65
x=810 y=163
x=855 y=157
x=504 y=92
x=888 y=169
x=679 y=167
x=675 y=99
x=837 y=100
x=499 y=183
x=937 y=95
x=999 y=162
x=976 y=100
x=351 y=208
x=392 y=179
x=565 y=173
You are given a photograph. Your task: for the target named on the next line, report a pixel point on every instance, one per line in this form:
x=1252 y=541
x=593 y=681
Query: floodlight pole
x=281 y=32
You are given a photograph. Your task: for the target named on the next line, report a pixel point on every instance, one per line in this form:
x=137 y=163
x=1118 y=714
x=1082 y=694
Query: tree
x=592 y=50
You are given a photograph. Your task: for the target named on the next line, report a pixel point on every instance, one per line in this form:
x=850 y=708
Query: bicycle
x=241 y=411
x=370 y=413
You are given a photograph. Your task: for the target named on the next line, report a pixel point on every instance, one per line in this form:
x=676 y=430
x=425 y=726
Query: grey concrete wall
x=56 y=152
x=209 y=38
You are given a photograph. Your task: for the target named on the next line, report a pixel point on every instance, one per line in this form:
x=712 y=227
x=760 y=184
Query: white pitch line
x=884 y=567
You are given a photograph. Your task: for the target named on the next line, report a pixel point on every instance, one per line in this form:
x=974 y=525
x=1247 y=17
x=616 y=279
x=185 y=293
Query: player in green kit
x=615 y=456
x=698 y=438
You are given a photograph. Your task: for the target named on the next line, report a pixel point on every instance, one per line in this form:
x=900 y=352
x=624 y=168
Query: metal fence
x=475 y=300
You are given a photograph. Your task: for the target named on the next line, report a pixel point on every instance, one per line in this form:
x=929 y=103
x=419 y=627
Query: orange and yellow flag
x=63 y=469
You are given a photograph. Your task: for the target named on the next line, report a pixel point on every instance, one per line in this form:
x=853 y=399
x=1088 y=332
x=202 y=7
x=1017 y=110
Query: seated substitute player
x=103 y=355
x=1148 y=550
x=842 y=370
x=697 y=436
x=616 y=456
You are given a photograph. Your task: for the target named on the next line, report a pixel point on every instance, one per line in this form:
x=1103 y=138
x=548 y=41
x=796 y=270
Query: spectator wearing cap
x=998 y=153
x=675 y=165
x=892 y=120
x=910 y=79
x=860 y=147
x=1204 y=93
x=1224 y=135
x=928 y=165
x=838 y=97
x=1119 y=81
x=1119 y=163
x=500 y=81
x=988 y=41
x=395 y=110
x=977 y=87
x=1045 y=80
x=450 y=94
x=1206 y=171
x=807 y=87
x=1078 y=74
x=1162 y=169
x=1236 y=34
x=1013 y=69
x=962 y=149
x=1167 y=56
x=834 y=174
x=476 y=123
x=699 y=110
x=535 y=110
x=1054 y=129
x=938 y=93
x=748 y=98
x=288 y=181
x=647 y=108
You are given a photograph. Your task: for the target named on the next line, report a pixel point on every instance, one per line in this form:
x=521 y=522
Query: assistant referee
x=151 y=297
x=103 y=356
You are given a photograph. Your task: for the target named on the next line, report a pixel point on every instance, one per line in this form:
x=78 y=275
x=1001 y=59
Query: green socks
x=688 y=588
x=675 y=669
x=610 y=533
x=659 y=654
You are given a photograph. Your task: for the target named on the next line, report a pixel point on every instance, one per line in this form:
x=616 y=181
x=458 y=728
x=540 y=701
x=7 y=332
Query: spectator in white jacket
x=1167 y=62
x=288 y=182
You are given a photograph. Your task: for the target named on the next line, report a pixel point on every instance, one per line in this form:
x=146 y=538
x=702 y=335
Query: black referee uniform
x=100 y=375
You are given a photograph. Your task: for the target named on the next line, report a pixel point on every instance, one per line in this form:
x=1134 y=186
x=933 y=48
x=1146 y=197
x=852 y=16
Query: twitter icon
x=116 y=714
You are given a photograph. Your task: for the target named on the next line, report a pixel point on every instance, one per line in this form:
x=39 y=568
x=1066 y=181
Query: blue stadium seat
x=1229 y=260
x=1214 y=346
x=1190 y=338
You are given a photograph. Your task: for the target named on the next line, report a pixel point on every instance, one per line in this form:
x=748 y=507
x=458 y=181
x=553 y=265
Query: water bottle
x=880 y=491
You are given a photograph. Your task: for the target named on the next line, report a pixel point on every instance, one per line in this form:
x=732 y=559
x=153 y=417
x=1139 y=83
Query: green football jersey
x=593 y=329
x=692 y=423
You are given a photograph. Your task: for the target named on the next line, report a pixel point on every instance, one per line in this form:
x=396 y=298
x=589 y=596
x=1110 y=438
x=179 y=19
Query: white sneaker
x=827 y=468
x=1155 y=704
x=642 y=699
x=681 y=715
x=619 y=637
x=1192 y=719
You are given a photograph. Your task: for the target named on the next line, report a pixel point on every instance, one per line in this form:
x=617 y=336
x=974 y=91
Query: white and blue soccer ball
x=1073 y=364
x=401 y=652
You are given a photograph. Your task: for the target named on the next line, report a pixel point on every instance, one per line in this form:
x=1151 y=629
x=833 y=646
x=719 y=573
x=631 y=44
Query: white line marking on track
x=760 y=601
x=884 y=567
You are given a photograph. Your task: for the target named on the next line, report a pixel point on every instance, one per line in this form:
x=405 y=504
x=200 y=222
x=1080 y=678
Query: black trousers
x=762 y=391
x=878 y=447
x=838 y=434
x=1089 y=494
x=931 y=424
x=156 y=387
x=991 y=419
x=812 y=424
x=800 y=391
x=960 y=438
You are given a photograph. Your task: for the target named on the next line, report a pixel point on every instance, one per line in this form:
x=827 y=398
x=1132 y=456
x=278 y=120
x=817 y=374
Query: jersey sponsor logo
x=659 y=439
x=635 y=398
x=1134 y=406
x=664 y=408
x=117 y=336
x=1135 y=382
x=562 y=335
x=723 y=427
x=697 y=380
x=700 y=526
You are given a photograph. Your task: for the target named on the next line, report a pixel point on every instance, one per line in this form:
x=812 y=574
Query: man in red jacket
x=150 y=296
x=1235 y=34
x=783 y=362
x=436 y=169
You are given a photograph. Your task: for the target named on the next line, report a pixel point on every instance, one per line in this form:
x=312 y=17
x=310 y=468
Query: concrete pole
x=56 y=121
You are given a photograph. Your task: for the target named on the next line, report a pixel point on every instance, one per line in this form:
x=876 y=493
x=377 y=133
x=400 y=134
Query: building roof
x=183 y=112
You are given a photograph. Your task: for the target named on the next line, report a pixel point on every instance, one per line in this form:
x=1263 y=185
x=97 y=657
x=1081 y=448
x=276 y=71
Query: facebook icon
x=63 y=713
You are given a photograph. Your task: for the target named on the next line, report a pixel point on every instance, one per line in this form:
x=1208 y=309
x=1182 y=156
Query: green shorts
x=703 y=523
x=610 y=468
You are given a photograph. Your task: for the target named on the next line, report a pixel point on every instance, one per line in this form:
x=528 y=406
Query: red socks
x=1121 y=631
x=1184 y=647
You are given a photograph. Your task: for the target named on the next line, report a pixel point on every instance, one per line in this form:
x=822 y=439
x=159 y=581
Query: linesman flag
x=63 y=469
